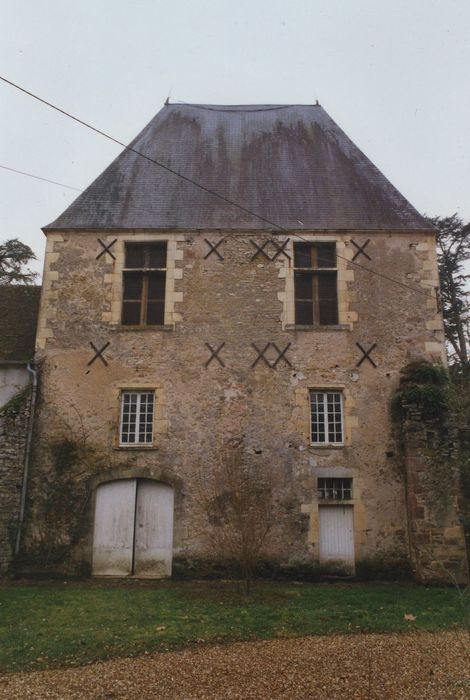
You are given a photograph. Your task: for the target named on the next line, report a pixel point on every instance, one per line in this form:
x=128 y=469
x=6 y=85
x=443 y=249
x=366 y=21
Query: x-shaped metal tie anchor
x=360 y=249
x=213 y=248
x=280 y=249
x=261 y=355
x=106 y=249
x=99 y=353
x=214 y=355
x=366 y=354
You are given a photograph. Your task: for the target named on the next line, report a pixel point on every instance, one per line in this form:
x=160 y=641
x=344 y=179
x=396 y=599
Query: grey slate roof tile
x=290 y=164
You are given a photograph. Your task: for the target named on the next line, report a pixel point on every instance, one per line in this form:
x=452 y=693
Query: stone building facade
x=274 y=292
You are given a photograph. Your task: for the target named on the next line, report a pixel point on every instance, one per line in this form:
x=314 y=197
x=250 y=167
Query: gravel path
x=420 y=666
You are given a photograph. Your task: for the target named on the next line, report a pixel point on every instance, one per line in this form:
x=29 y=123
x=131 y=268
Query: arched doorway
x=133 y=529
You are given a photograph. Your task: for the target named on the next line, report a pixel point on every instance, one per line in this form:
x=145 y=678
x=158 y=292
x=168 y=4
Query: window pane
x=303 y=255
x=328 y=299
x=304 y=313
x=155 y=313
x=156 y=255
x=135 y=255
x=303 y=285
x=156 y=288
x=326 y=254
x=130 y=313
x=132 y=284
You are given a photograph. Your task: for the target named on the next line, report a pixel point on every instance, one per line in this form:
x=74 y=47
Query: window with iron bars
x=144 y=280
x=334 y=489
x=137 y=408
x=315 y=284
x=326 y=417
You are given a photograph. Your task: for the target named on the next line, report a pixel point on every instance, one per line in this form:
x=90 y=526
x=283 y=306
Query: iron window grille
x=137 y=409
x=144 y=281
x=315 y=284
x=334 y=489
x=326 y=409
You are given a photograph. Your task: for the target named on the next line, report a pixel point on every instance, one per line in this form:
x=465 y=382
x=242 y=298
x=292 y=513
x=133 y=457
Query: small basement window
x=334 y=489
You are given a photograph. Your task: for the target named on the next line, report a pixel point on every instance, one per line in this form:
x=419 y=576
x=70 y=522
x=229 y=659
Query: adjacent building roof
x=19 y=307
x=290 y=164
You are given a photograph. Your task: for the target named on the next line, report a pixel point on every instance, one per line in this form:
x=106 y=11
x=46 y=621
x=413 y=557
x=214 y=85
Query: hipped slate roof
x=19 y=307
x=290 y=164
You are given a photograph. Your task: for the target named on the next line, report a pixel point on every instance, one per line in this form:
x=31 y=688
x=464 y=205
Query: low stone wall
x=14 y=417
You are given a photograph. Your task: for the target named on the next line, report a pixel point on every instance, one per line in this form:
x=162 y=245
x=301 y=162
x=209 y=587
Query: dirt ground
x=422 y=666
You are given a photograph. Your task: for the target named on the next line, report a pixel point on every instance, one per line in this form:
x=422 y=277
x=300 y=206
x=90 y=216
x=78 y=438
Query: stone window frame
x=324 y=391
x=160 y=422
x=346 y=318
x=173 y=274
x=302 y=416
x=137 y=442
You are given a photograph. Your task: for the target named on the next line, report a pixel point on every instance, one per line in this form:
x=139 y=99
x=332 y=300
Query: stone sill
x=326 y=446
x=336 y=501
x=146 y=448
x=140 y=329
x=296 y=327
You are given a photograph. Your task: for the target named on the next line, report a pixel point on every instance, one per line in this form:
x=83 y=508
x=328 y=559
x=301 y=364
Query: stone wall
x=431 y=453
x=14 y=418
x=241 y=301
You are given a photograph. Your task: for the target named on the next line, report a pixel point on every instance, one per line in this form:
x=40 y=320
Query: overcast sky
x=394 y=74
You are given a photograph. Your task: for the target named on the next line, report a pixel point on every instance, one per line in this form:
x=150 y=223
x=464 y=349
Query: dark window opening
x=144 y=281
x=315 y=284
x=334 y=489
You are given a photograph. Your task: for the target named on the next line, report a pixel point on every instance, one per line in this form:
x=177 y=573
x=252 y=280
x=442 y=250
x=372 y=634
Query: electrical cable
x=198 y=185
x=37 y=177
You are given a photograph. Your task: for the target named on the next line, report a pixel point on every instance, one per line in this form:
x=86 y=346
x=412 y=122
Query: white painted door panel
x=113 y=539
x=336 y=533
x=153 y=530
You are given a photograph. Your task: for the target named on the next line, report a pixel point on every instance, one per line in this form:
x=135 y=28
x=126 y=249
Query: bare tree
x=237 y=505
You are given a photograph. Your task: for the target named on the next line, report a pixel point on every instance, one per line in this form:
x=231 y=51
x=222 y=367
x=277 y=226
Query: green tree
x=453 y=251
x=14 y=258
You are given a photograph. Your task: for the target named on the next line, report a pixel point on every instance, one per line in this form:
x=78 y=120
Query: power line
x=198 y=184
x=37 y=177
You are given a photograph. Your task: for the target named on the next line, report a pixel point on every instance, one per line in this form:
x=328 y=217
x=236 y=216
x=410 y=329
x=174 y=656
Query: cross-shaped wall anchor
x=214 y=355
x=99 y=353
x=281 y=355
x=106 y=249
x=213 y=248
x=366 y=354
x=360 y=249
x=260 y=249
x=280 y=249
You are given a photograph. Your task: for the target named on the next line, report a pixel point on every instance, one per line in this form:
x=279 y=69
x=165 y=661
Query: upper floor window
x=315 y=275
x=137 y=417
x=327 y=417
x=144 y=280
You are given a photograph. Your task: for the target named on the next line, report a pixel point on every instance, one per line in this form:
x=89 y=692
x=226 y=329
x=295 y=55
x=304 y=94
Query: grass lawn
x=53 y=624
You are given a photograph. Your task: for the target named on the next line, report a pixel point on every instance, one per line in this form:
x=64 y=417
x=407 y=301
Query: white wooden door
x=133 y=532
x=153 y=530
x=113 y=538
x=336 y=534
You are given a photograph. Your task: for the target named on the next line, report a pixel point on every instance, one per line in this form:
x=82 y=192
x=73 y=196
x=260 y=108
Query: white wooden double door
x=133 y=529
